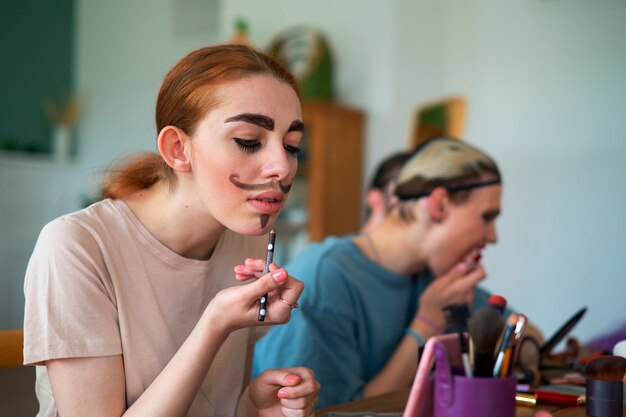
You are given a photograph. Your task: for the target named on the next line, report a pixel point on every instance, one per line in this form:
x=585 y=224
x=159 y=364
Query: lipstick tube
x=531 y=399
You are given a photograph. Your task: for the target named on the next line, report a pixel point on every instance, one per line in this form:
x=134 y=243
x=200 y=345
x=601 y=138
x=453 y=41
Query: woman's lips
x=266 y=205
x=473 y=258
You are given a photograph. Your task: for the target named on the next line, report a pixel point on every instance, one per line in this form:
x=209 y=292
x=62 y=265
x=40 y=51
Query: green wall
x=36 y=61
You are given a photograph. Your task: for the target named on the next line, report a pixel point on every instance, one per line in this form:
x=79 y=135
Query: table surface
x=395 y=402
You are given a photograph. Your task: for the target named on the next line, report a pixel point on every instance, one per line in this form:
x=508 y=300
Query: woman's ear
x=173 y=145
x=438 y=204
x=376 y=201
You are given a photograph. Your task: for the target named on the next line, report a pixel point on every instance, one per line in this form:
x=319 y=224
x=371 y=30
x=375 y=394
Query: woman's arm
x=457 y=286
x=96 y=387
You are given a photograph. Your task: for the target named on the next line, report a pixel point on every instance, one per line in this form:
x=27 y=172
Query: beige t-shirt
x=99 y=284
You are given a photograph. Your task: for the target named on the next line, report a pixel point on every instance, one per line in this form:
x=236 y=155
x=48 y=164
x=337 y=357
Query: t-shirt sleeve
x=70 y=304
x=320 y=336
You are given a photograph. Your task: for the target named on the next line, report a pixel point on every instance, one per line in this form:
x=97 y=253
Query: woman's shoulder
x=103 y=214
x=326 y=266
x=71 y=232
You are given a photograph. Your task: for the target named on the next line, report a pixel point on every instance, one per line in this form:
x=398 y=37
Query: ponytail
x=133 y=174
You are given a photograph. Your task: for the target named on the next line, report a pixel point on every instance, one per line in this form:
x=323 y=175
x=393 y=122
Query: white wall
x=546 y=86
x=545 y=82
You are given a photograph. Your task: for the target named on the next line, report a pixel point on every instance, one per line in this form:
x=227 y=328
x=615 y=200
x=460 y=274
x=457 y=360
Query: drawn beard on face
x=284 y=188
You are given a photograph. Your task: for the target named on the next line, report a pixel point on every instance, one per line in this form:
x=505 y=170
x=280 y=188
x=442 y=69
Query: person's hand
x=286 y=296
x=278 y=301
x=290 y=391
x=238 y=307
x=455 y=287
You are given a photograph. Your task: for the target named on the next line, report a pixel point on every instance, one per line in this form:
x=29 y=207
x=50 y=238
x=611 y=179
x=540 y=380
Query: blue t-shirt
x=352 y=316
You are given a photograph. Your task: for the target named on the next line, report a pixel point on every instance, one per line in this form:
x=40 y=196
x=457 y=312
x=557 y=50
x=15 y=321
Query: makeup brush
x=456 y=316
x=505 y=349
x=484 y=327
x=606 y=368
x=604 y=386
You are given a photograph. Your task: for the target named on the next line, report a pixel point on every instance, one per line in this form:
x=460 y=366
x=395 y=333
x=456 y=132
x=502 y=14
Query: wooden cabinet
x=334 y=167
x=326 y=197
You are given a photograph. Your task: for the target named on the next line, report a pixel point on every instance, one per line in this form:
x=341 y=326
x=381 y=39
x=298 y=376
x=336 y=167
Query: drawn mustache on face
x=258 y=187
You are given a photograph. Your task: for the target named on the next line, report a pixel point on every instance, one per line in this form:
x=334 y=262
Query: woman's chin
x=254 y=228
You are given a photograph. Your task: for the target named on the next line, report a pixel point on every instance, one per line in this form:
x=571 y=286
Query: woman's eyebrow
x=256 y=119
x=296 y=126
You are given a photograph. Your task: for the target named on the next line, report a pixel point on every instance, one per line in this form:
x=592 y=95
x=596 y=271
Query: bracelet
x=420 y=340
x=430 y=323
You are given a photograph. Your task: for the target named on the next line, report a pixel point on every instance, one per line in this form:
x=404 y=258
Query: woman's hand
x=291 y=391
x=238 y=307
x=455 y=287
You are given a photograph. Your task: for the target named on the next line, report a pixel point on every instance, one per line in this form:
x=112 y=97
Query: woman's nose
x=492 y=235
x=278 y=164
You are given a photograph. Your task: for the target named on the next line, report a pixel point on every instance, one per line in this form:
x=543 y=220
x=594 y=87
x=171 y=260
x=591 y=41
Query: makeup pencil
x=268 y=261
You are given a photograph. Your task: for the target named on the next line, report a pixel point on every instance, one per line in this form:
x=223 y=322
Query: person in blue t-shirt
x=371 y=299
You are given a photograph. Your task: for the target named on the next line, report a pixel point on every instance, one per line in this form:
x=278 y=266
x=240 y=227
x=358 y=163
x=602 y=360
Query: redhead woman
x=132 y=306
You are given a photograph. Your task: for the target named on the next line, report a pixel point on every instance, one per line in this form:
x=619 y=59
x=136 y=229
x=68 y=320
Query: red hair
x=188 y=92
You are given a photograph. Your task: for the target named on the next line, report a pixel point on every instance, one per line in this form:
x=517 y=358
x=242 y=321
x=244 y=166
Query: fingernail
x=279 y=276
x=282 y=394
x=461 y=267
x=293 y=379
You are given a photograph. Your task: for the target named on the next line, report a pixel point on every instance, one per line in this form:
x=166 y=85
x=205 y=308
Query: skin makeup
x=268 y=262
x=264 y=219
x=273 y=204
x=259 y=187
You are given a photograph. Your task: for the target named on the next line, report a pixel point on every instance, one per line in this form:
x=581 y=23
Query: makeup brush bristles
x=484 y=327
x=606 y=368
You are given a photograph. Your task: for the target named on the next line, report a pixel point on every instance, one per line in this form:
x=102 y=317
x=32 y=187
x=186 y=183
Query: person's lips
x=268 y=202
x=473 y=257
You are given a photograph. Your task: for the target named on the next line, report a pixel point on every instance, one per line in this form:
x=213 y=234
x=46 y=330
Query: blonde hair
x=445 y=162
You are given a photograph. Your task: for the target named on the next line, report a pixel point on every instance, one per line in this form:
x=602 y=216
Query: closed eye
x=249 y=146
x=293 y=150
x=490 y=216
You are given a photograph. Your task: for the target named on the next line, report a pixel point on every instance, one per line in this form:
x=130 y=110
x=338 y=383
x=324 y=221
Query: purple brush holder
x=459 y=396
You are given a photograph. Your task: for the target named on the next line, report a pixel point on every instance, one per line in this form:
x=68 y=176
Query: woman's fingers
x=295 y=388
x=251 y=268
x=299 y=389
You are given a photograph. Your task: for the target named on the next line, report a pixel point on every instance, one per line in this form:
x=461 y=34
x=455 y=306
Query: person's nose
x=492 y=235
x=278 y=163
